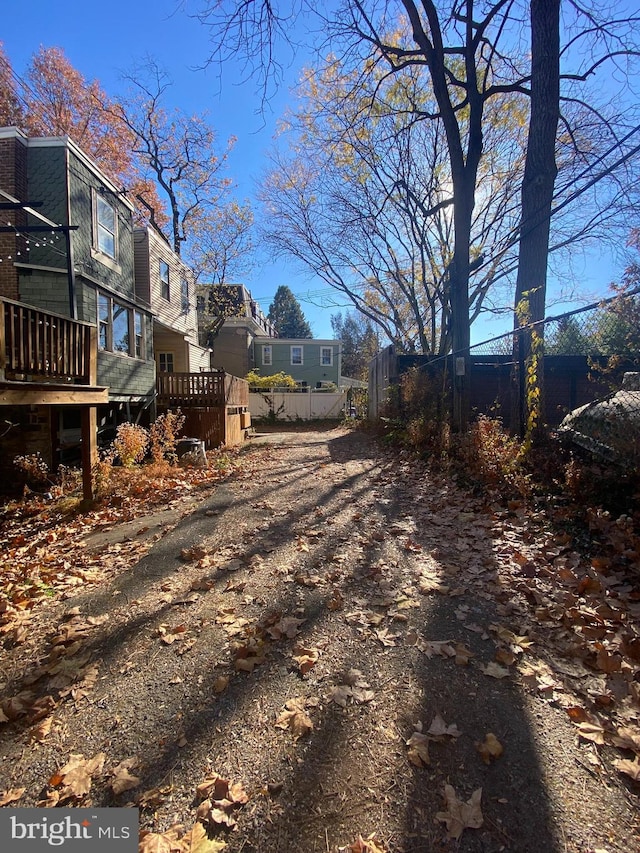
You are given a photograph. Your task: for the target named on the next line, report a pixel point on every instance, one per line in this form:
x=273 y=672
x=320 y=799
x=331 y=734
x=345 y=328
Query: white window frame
x=297 y=347
x=323 y=351
x=135 y=327
x=101 y=228
x=267 y=355
x=184 y=295
x=165 y=283
x=139 y=349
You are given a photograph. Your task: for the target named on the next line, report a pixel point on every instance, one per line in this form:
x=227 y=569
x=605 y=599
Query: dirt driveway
x=335 y=646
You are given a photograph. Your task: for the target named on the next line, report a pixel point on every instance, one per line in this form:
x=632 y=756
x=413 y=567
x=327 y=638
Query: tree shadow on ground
x=370 y=525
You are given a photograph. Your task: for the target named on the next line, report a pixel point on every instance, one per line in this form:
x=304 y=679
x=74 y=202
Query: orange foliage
x=60 y=102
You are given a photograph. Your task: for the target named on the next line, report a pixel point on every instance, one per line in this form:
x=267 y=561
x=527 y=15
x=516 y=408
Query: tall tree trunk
x=537 y=194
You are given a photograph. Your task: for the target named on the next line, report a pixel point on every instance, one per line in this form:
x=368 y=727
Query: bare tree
x=472 y=54
x=364 y=200
x=179 y=151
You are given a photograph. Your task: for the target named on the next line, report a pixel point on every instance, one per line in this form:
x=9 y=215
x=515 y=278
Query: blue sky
x=102 y=40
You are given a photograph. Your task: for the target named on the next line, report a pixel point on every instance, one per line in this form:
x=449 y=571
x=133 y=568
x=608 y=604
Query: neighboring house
x=246 y=340
x=166 y=284
x=230 y=320
x=312 y=363
x=84 y=271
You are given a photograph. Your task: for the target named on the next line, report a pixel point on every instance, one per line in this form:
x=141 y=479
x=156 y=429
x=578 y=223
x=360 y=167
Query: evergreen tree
x=286 y=315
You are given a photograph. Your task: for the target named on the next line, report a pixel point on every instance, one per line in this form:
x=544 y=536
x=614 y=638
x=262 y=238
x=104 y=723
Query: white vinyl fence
x=305 y=405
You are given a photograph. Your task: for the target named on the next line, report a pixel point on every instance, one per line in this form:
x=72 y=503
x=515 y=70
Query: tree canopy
x=359 y=343
x=286 y=315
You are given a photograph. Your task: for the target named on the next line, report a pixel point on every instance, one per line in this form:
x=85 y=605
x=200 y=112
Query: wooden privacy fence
x=42 y=346
x=214 y=403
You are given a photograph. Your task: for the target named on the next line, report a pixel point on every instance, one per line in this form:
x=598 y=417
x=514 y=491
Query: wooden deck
x=215 y=404
x=47 y=359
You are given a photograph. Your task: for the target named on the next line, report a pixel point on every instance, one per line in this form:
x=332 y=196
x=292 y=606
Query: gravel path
x=336 y=634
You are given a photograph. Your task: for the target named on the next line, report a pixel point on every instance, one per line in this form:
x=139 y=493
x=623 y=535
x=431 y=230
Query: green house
x=312 y=363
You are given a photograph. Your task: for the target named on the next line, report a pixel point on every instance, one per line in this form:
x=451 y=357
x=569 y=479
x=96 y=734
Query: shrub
x=163 y=435
x=130 y=444
x=33 y=468
x=493 y=457
x=264 y=383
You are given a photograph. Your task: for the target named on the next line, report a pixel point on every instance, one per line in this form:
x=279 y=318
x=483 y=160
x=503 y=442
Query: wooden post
x=89 y=417
x=89 y=426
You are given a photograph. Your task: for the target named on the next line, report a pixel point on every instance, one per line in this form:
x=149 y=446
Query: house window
x=296 y=355
x=184 y=295
x=138 y=334
x=104 y=323
x=164 y=279
x=267 y=355
x=105 y=236
x=326 y=356
x=120 y=329
x=165 y=362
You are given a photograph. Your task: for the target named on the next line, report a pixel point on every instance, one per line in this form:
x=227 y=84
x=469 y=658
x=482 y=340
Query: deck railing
x=39 y=346
x=208 y=389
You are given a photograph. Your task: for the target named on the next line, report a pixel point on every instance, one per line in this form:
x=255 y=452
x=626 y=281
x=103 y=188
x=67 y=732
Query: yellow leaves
x=490 y=748
x=460 y=815
x=174 y=841
x=295 y=717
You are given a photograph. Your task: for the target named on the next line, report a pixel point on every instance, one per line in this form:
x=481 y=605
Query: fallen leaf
x=364 y=845
x=76 y=775
x=123 y=780
x=438 y=729
x=287 y=627
x=495 y=670
x=306 y=658
x=593 y=732
x=629 y=768
x=460 y=815
x=197 y=841
x=490 y=748
x=11 y=796
x=295 y=718
x=418 y=753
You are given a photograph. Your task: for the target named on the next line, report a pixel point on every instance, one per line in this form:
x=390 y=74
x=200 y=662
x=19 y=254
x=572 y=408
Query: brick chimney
x=13 y=181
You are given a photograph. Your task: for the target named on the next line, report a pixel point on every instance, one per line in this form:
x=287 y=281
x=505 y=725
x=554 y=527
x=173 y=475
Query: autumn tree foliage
x=57 y=100
x=472 y=54
x=10 y=107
